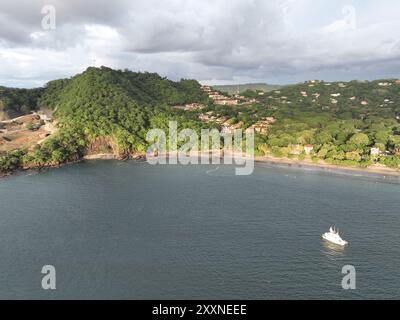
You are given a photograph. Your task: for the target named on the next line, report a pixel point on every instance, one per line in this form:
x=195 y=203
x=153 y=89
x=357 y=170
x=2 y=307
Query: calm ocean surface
x=133 y=231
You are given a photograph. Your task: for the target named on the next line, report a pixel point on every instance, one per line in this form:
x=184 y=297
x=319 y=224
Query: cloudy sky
x=214 y=41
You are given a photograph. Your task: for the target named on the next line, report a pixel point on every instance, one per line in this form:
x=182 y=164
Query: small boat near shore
x=334 y=237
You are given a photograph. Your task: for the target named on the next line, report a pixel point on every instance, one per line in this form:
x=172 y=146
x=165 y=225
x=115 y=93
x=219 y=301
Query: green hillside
x=116 y=107
x=143 y=88
x=104 y=110
x=17 y=102
x=342 y=121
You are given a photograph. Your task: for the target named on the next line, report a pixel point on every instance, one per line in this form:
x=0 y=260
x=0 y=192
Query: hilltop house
x=214 y=95
x=259 y=128
x=228 y=128
x=316 y=95
x=262 y=126
x=226 y=102
x=190 y=106
x=375 y=152
x=308 y=148
x=218 y=98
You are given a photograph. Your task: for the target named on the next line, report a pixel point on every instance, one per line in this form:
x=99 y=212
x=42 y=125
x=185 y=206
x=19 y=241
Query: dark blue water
x=134 y=231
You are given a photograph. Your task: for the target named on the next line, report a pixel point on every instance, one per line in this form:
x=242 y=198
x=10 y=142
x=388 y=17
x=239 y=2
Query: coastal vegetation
x=354 y=123
x=17 y=102
x=102 y=102
x=104 y=110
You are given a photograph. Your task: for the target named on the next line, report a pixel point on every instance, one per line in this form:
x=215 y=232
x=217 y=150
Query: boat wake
x=212 y=170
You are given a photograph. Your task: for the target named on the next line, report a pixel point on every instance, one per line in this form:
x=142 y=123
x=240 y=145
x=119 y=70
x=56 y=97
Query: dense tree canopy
x=342 y=121
x=17 y=102
x=102 y=102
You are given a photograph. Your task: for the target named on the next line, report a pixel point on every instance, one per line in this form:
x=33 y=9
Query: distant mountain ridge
x=240 y=88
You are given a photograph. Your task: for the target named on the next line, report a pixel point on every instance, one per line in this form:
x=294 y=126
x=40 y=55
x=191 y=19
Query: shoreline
x=100 y=156
x=291 y=163
x=375 y=169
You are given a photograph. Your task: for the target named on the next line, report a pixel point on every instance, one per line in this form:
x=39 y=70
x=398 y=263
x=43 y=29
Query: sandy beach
x=374 y=169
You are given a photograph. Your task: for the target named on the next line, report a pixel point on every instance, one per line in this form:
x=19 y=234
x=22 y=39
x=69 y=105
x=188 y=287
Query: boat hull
x=338 y=242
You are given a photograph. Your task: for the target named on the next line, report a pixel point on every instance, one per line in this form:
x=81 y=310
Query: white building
x=308 y=148
x=375 y=152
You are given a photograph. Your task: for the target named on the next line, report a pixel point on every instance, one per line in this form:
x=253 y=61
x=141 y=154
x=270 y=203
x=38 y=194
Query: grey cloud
x=20 y=18
x=219 y=39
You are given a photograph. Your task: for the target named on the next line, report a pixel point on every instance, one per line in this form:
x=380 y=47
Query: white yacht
x=334 y=237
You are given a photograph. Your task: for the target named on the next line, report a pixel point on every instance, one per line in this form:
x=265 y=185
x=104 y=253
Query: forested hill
x=99 y=100
x=17 y=102
x=345 y=100
x=350 y=123
x=101 y=109
x=144 y=89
